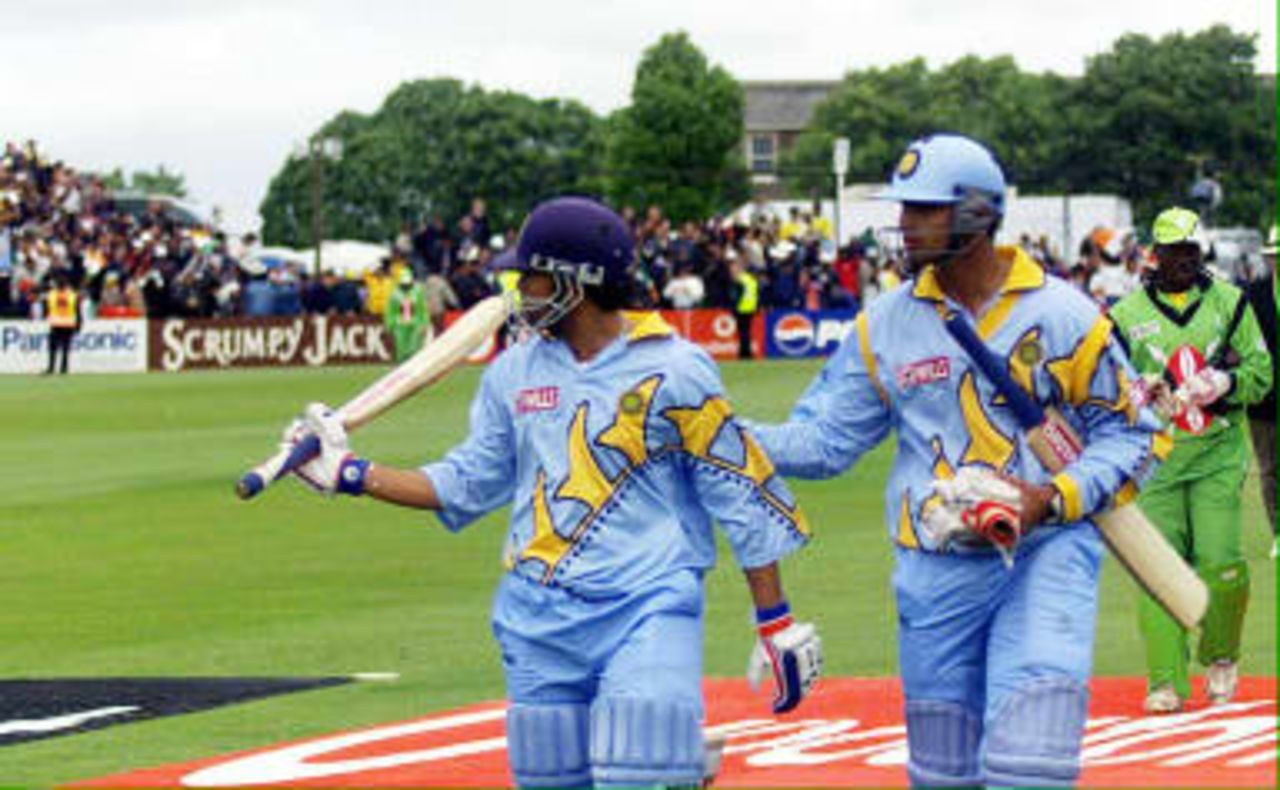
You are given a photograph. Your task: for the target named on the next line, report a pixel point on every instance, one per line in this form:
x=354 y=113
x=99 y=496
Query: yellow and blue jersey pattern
x=900 y=371
x=616 y=468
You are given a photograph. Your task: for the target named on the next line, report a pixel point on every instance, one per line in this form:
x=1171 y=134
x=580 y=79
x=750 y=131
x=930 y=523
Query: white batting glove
x=334 y=469
x=987 y=506
x=1205 y=387
x=942 y=522
x=791 y=650
x=1153 y=391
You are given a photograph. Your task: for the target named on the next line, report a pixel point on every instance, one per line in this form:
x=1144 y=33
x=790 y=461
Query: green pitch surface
x=126 y=554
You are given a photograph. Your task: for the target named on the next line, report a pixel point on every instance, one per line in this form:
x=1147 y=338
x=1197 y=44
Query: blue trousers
x=977 y=637
x=621 y=676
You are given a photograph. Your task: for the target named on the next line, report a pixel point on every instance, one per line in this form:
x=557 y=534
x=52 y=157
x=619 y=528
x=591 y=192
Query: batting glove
x=335 y=469
x=1205 y=387
x=791 y=650
x=1152 y=390
x=989 y=508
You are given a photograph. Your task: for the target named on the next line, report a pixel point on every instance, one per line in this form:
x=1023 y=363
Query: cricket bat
x=1132 y=538
x=429 y=365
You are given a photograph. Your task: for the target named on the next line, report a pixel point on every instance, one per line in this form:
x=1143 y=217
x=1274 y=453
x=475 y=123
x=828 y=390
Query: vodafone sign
x=850 y=734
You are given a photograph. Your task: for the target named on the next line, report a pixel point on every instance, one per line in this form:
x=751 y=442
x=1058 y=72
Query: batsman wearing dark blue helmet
x=996 y=563
x=611 y=439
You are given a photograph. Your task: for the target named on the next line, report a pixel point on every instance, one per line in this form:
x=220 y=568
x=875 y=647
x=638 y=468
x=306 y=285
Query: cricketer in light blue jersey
x=995 y=647
x=615 y=468
x=900 y=371
x=611 y=439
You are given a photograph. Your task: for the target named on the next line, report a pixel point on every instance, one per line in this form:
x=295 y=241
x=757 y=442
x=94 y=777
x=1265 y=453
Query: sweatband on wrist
x=774 y=619
x=351 y=476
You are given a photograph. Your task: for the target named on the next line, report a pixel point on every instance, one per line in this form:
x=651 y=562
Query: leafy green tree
x=1148 y=109
x=677 y=144
x=1145 y=114
x=882 y=110
x=879 y=110
x=429 y=149
x=160 y=181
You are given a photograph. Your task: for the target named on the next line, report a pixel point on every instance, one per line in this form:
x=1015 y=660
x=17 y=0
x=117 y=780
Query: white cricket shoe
x=713 y=751
x=1222 y=681
x=1162 y=699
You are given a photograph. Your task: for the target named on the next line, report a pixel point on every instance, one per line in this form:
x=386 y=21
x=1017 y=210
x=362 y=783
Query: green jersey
x=406 y=307
x=1214 y=317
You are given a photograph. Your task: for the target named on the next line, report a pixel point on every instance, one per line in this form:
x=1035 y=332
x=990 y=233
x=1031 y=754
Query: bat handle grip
x=276 y=467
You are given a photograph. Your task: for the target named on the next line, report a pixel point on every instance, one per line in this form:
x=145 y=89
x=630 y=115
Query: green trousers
x=1195 y=501
x=407 y=338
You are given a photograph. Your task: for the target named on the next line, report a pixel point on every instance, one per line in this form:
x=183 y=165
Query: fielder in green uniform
x=406 y=318
x=1203 y=358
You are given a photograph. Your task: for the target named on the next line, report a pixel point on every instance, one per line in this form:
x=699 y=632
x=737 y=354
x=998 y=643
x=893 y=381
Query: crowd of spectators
x=60 y=224
x=56 y=222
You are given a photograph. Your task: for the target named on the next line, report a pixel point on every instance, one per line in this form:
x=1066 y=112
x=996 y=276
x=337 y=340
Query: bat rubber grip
x=250 y=486
x=256 y=481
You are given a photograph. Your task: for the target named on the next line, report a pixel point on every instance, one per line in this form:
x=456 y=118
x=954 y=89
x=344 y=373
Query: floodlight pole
x=840 y=164
x=320 y=149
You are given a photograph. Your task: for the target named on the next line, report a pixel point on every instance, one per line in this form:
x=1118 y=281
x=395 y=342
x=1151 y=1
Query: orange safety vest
x=62 y=308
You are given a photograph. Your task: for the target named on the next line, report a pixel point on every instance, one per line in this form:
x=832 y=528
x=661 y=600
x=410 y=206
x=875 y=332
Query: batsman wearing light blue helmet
x=611 y=439
x=996 y=562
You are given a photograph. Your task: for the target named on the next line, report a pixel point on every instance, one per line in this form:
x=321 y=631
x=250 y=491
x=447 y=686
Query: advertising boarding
x=102 y=346
x=794 y=334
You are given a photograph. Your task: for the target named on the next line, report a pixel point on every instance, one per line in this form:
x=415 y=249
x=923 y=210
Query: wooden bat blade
x=1130 y=535
x=429 y=365
x=1132 y=538
x=1154 y=564
x=432 y=363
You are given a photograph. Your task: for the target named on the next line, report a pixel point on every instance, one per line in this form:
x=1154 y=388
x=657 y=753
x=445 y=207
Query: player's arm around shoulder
x=845 y=410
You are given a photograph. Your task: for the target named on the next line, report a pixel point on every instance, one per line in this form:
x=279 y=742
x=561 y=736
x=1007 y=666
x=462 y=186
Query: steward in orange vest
x=62 y=312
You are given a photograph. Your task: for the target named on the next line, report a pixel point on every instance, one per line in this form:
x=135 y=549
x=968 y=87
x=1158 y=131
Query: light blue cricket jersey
x=615 y=467
x=901 y=371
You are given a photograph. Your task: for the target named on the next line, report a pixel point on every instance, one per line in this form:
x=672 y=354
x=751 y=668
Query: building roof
x=783 y=105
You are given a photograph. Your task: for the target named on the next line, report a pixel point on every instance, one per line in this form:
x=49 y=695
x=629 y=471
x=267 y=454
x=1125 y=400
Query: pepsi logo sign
x=794 y=334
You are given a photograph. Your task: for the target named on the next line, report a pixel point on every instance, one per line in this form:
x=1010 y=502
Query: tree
x=882 y=110
x=677 y=144
x=1137 y=123
x=1148 y=109
x=151 y=182
x=430 y=148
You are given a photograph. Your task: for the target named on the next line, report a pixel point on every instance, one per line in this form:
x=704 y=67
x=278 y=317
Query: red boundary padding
x=849 y=734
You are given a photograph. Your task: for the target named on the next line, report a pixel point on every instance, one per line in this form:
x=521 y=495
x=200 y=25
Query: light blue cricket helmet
x=953 y=169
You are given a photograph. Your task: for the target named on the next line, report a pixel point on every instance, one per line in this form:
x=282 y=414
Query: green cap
x=1176 y=226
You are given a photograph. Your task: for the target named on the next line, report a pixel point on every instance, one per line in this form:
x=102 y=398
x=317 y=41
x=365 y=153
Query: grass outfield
x=126 y=554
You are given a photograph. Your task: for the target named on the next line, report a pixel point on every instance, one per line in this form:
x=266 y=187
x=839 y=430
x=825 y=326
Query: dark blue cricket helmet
x=578 y=238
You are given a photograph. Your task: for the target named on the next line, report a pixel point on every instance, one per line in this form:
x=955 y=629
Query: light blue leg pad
x=638 y=742
x=943 y=740
x=1033 y=739
x=547 y=745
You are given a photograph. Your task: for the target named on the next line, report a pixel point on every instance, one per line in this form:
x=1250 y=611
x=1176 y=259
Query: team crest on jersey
x=631 y=403
x=1029 y=352
x=537 y=399
x=926 y=371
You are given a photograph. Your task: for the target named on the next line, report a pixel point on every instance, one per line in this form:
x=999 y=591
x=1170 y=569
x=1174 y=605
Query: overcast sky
x=222 y=90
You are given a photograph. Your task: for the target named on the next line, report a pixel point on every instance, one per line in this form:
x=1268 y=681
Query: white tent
x=347 y=257
x=341 y=257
